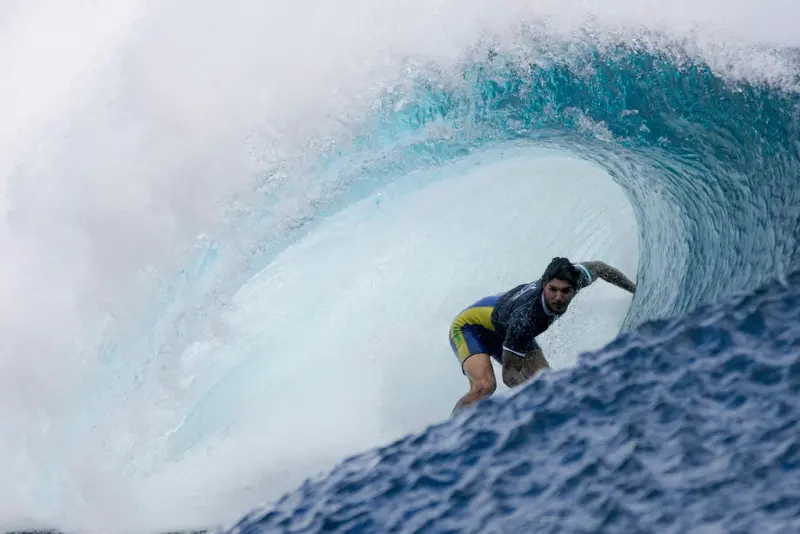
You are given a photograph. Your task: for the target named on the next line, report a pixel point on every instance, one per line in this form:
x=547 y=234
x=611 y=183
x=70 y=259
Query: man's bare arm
x=611 y=275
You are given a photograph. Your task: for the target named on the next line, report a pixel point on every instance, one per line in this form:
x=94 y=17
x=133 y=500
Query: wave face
x=681 y=424
x=195 y=331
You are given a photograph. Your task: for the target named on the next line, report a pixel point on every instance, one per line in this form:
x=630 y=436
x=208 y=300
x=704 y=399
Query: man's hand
x=517 y=370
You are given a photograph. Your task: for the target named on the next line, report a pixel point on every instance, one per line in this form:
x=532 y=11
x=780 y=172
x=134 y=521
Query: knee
x=484 y=387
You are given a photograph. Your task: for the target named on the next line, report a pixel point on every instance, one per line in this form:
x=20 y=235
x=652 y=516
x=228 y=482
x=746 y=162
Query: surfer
x=505 y=326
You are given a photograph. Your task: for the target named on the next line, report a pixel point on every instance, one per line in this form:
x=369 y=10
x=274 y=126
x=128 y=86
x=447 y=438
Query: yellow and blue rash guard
x=509 y=321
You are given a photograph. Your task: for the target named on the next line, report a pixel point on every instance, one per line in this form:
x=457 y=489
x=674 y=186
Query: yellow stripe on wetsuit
x=480 y=316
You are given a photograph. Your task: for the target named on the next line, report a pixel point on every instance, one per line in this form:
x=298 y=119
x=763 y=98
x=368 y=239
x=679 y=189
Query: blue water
x=687 y=422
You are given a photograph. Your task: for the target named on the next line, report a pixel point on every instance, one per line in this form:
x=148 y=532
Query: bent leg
x=517 y=370
x=469 y=340
x=482 y=382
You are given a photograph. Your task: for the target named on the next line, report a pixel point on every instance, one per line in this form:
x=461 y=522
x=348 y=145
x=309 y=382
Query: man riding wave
x=505 y=326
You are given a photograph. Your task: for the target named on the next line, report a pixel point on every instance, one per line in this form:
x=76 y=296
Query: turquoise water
x=654 y=431
x=224 y=285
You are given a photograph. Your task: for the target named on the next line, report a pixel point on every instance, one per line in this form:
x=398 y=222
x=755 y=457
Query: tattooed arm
x=611 y=275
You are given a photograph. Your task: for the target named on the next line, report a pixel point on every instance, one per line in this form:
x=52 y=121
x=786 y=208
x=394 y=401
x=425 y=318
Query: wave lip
x=709 y=162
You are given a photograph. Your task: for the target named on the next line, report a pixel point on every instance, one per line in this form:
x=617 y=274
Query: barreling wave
x=709 y=163
x=653 y=431
x=708 y=154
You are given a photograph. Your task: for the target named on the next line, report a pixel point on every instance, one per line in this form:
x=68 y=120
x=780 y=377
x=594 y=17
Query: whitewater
x=234 y=239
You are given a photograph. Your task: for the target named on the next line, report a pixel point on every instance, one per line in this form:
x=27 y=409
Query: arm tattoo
x=610 y=275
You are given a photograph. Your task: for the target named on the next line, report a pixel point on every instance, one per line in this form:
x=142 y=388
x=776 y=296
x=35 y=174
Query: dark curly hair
x=561 y=269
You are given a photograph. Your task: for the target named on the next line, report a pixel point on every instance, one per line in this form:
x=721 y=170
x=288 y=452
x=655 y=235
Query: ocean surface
x=236 y=238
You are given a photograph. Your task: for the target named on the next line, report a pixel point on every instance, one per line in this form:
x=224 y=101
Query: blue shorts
x=472 y=331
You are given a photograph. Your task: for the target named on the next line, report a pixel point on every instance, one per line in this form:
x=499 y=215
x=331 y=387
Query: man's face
x=558 y=294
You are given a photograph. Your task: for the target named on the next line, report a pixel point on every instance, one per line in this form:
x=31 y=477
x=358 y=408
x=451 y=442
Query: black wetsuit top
x=521 y=314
